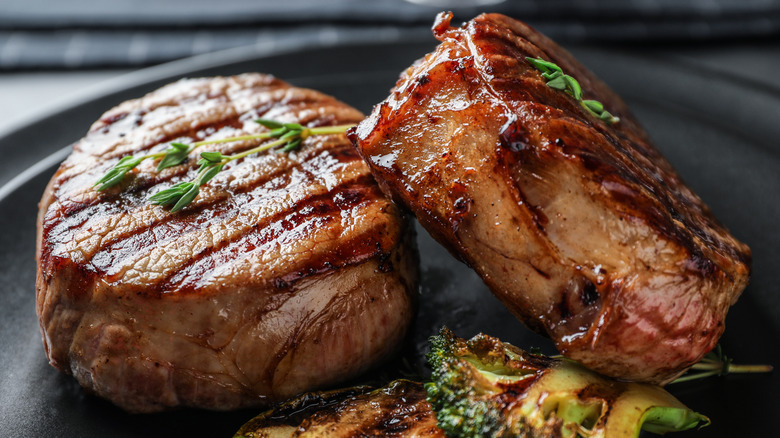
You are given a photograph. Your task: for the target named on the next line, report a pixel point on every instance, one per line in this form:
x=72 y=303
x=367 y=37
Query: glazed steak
x=289 y=272
x=581 y=228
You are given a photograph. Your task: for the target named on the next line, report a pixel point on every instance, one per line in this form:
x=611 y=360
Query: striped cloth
x=38 y=34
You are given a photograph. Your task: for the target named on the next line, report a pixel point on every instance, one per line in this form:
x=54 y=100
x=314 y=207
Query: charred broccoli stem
x=486 y=388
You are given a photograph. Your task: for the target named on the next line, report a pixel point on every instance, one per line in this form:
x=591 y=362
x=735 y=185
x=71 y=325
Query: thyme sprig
x=558 y=80
x=178 y=153
x=289 y=136
x=715 y=363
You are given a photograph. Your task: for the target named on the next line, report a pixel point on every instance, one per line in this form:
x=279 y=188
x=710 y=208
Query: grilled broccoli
x=486 y=388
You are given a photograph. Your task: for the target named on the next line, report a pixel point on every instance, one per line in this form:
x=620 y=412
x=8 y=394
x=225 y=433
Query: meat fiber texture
x=289 y=272
x=581 y=228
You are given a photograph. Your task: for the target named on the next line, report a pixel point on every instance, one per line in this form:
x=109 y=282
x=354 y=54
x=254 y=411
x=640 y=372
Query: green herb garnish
x=289 y=137
x=715 y=363
x=561 y=81
x=176 y=154
x=116 y=174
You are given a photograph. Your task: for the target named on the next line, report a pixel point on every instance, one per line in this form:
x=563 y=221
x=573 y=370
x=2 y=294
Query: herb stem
x=323 y=130
x=264 y=135
x=288 y=137
x=156 y=155
x=714 y=366
x=261 y=148
x=696 y=376
x=306 y=132
x=750 y=368
x=716 y=363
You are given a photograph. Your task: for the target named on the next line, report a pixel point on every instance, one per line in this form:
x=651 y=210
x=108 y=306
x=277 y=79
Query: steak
x=580 y=227
x=397 y=410
x=289 y=271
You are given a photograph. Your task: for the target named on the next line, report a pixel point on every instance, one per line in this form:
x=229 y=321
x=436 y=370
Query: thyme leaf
x=116 y=174
x=560 y=81
x=288 y=137
x=176 y=154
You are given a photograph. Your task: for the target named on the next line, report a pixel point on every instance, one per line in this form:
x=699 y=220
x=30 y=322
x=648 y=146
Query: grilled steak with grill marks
x=581 y=228
x=288 y=272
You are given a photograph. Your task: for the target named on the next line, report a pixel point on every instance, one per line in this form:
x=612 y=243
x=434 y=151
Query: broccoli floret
x=486 y=388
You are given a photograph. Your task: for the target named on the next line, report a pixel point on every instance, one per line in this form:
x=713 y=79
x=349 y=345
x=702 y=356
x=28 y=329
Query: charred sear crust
x=396 y=410
x=243 y=297
x=579 y=226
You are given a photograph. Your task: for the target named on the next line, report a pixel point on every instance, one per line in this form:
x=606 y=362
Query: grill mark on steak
x=213 y=130
x=311 y=109
x=214 y=212
x=136 y=190
x=108 y=260
x=640 y=164
x=304 y=218
x=279 y=178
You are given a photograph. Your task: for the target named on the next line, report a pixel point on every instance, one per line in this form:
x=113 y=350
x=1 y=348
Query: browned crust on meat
x=114 y=226
x=581 y=228
x=275 y=280
x=399 y=409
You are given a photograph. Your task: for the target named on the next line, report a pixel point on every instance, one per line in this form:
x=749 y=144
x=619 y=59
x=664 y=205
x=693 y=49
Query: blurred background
x=51 y=51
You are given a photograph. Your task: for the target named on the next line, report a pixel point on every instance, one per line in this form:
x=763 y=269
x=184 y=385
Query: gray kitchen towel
x=105 y=33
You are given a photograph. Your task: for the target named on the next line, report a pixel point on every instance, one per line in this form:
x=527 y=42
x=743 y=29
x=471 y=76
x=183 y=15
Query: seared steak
x=581 y=228
x=397 y=410
x=289 y=272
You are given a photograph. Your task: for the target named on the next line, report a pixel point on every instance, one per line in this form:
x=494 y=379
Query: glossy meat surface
x=582 y=229
x=398 y=410
x=288 y=273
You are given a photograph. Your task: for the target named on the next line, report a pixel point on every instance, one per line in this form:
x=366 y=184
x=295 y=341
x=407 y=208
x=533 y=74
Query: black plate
x=721 y=133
